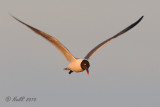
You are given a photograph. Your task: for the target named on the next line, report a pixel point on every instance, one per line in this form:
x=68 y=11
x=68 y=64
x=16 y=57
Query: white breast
x=76 y=66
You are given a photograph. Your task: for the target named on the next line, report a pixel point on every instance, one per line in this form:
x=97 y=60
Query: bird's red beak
x=87 y=71
x=86 y=68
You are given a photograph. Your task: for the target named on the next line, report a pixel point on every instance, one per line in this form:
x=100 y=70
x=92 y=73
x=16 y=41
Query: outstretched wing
x=54 y=41
x=108 y=40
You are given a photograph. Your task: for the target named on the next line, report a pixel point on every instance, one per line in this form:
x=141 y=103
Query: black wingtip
x=17 y=19
x=12 y=16
x=137 y=21
x=141 y=18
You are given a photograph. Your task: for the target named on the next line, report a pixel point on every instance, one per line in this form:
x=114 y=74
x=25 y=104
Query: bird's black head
x=85 y=65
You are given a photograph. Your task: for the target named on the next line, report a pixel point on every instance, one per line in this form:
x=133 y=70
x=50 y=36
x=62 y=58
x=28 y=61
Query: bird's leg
x=68 y=69
x=70 y=72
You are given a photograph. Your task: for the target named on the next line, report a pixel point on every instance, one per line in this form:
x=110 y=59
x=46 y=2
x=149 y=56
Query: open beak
x=87 y=71
x=86 y=68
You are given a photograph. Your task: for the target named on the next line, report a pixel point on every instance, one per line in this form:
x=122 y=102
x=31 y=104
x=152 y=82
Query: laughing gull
x=76 y=64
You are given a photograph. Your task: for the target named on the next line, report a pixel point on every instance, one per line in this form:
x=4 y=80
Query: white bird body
x=76 y=65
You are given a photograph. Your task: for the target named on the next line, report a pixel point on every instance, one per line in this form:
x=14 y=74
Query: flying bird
x=76 y=64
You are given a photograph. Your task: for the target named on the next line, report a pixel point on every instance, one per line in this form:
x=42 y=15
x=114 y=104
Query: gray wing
x=54 y=41
x=108 y=40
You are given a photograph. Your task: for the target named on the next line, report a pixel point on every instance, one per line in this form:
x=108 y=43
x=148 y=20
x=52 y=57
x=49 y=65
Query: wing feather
x=108 y=40
x=54 y=41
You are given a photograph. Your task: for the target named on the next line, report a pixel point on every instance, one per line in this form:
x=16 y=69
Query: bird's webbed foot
x=70 y=71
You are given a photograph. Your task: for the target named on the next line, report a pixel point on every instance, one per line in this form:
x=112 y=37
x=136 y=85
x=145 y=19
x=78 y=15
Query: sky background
x=123 y=73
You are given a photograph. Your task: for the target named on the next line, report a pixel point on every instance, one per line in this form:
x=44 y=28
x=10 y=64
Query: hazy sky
x=124 y=73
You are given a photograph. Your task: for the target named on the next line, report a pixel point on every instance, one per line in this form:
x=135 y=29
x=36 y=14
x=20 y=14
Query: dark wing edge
x=108 y=40
x=54 y=41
